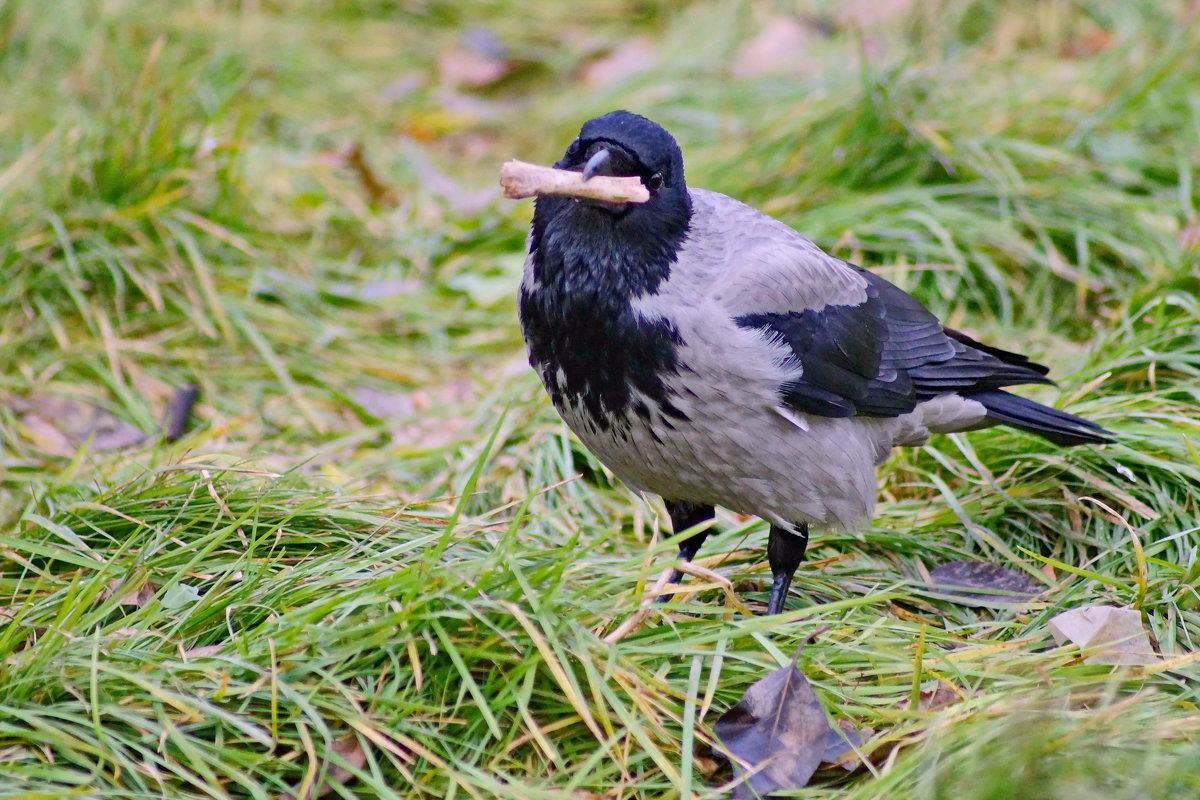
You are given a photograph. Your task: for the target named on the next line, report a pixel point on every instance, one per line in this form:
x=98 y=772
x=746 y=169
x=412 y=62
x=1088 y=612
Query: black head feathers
x=639 y=147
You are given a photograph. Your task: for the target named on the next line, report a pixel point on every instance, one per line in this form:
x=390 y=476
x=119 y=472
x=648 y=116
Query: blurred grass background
x=378 y=566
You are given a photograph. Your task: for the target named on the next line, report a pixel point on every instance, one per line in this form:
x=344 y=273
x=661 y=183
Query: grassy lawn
x=377 y=565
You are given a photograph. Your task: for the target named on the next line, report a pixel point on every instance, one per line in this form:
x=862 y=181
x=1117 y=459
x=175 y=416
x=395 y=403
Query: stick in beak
x=521 y=180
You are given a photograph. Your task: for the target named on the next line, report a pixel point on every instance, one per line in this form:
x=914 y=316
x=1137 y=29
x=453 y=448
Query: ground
x=377 y=565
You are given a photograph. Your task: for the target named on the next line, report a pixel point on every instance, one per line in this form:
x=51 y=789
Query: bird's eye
x=654 y=182
x=573 y=149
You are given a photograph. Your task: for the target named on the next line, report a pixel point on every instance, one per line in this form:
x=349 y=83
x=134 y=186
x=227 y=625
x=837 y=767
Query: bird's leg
x=684 y=516
x=785 y=551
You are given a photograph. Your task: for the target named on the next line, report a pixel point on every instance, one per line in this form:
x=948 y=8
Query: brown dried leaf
x=59 y=425
x=204 y=651
x=778 y=49
x=978 y=583
x=472 y=67
x=940 y=697
x=1089 y=44
x=138 y=597
x=630 y=58
x=778 y=731
x=350 y=749
x=1115 y=635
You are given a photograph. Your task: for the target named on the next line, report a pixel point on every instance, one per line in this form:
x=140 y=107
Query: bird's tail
x=1049 y=423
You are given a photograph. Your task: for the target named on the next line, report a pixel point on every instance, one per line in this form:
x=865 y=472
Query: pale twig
x=649 y=605
x=638 y=617
x=521 y=180
x=731 y=597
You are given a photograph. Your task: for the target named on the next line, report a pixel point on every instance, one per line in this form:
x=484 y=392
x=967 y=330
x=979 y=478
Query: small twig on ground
x=355 y=159
x=521 y=180
x=664 y=580
x=731 y=597
x=648 y=605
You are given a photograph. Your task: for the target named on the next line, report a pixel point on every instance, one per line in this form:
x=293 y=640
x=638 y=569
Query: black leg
x=785 y=551
x=684 y=516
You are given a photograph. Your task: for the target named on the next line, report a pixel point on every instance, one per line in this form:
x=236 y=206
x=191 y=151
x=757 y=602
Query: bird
x=712 y=355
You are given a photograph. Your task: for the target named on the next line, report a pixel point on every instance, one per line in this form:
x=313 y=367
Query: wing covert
x=881 y=356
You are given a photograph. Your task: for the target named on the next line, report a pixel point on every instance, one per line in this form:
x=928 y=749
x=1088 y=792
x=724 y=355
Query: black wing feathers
x=1006 y=356
x=883 y=356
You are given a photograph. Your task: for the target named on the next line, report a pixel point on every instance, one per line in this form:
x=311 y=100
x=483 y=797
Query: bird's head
x=613 y=249
x=624 y=144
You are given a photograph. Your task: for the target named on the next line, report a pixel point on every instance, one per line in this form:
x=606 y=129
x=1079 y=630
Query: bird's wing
x=857 y=344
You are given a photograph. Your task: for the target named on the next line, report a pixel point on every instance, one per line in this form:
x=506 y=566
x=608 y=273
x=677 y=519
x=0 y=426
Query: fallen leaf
x=136 y=597
x=480 y=60
x=778 y=732
x=778 y=49
x=840 y=746
x=179 y=411
x=631 y=57
x=383 y=405
x=45 y=437
x=1112 y=635
x=460 y=199
x=1089 y=44
x=978 y=583
x=204 y=651
x=940 y=697
x=59 y=425
x=350 y=750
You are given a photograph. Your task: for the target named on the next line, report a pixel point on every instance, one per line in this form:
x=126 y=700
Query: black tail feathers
x=1049 y=423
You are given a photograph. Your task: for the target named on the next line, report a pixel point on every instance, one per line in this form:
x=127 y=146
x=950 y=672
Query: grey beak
x=594 y=163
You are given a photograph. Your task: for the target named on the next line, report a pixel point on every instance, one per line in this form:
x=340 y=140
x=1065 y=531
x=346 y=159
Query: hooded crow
x=710 y=354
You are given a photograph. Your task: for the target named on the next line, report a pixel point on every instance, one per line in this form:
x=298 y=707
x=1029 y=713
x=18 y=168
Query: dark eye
x=573 y=149
x=654 y=182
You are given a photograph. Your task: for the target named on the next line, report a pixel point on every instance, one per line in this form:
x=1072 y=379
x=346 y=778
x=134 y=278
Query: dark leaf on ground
x=779 y=732
x=842 y=744
x=179 y=411
x=978 y=583
x=939 y=697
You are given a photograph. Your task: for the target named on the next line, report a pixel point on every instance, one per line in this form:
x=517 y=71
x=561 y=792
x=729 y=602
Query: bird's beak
x=593 y=165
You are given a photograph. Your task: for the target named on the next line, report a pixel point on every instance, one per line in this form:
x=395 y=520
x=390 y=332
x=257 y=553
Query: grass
x=379 y=566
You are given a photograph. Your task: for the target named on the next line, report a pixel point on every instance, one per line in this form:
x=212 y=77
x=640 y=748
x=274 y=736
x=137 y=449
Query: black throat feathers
x=591 y=348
